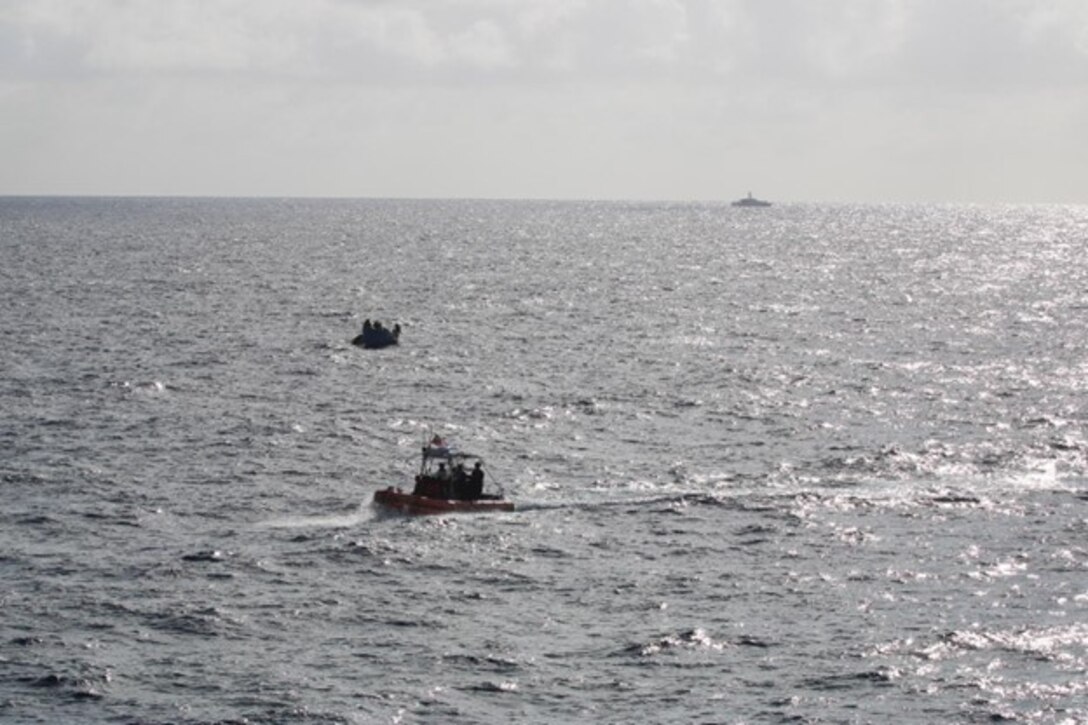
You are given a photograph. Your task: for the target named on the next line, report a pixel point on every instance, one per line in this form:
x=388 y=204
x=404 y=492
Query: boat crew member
x=476 y=482
x=460 y=482
x=443 y=476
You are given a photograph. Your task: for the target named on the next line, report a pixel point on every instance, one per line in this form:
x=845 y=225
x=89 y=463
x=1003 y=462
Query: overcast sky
x=795 y=100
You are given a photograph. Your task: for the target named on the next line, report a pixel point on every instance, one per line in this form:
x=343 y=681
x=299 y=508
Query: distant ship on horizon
x=751 y=201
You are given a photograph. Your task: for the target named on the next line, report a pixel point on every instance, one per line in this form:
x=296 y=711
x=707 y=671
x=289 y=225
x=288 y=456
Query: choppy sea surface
x=809 y=463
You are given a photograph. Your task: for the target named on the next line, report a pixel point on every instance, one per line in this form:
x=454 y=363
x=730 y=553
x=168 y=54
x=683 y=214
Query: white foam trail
x=330 y=521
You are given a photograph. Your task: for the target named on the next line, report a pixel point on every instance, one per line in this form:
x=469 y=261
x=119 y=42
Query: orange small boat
x=443 y=486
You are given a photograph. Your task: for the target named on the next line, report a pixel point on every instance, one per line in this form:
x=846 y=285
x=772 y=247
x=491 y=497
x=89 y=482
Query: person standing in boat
x=460 y=482
x=475 y=483
x=443 y=476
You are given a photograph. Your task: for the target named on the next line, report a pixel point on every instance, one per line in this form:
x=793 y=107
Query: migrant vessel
x=751 y=201
x=375 y=337
x=449 y=481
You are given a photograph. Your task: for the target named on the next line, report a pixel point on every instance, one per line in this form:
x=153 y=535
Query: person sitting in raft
x=475 y=488
x=366 y=325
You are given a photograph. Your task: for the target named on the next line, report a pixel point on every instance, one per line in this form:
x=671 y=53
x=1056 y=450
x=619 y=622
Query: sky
x=703 y=100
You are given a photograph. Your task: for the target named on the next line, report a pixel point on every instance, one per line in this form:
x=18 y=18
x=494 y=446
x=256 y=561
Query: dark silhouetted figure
x=475 y=487
x=460 y=482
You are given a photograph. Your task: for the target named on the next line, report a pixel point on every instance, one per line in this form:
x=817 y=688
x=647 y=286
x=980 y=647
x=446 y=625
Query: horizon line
x=540 y=199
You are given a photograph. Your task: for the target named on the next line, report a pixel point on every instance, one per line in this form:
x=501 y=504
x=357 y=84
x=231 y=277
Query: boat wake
x=345 y=520
x=662 y=500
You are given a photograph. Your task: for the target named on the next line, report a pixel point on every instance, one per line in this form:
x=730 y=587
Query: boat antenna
x=498 y=485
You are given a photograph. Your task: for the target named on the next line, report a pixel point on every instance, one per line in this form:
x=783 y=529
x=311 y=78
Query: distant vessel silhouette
x=375 y=337
x=751 y=201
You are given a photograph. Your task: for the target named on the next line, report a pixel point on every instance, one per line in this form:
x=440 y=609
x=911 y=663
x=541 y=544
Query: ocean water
x=810 y=463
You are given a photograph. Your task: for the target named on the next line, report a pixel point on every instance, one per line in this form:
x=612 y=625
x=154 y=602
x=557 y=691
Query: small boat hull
x=372 y=342
x=751 y=201
x=394 y=498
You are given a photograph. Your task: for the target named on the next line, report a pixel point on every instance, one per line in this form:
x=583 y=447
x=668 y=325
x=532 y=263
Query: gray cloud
x=700 y=41
x=635 y=98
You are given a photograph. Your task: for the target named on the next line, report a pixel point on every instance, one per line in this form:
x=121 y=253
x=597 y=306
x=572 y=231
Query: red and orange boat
x=444 y=485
